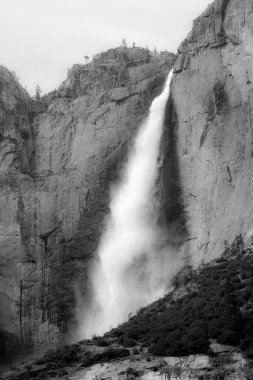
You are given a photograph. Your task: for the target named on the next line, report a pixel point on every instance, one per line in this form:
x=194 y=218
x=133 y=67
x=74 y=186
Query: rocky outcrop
x=137 y=366
x=58 y=157
x=211 y=101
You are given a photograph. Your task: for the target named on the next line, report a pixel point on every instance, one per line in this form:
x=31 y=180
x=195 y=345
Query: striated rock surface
x=16 y=147
x=57 y=159
x=138 y=366
x=211 y=119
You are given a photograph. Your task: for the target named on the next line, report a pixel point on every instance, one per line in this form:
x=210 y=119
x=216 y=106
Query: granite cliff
x=211 y=118
x=58 y=158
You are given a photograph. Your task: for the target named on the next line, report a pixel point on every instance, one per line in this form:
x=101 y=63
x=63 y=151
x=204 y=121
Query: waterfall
x=136 y=266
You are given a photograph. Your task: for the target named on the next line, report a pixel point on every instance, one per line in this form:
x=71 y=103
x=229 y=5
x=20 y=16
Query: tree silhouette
x=124 y=43
x=16 y=77
x=86 y=57
x=37 y=92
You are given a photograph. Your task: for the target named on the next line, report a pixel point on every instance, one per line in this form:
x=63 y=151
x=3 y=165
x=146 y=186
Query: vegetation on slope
x=219 y=305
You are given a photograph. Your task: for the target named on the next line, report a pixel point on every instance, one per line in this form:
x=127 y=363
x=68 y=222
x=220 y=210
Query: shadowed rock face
x=212 y=96
x=15 y=150
x=172 y=206
x=57 y=160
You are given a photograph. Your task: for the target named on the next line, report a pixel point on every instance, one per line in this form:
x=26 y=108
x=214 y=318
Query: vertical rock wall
x=212 y=96
x=56 y=193
x=15 y=150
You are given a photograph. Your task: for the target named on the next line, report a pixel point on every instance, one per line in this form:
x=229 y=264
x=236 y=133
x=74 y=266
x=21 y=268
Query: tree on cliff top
x=37 y=92
x=15 y=76
x=124 y=43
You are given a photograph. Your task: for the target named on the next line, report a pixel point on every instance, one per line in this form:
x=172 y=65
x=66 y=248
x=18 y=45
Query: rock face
x=58 y=157
x=57 y=160
x=211 y=118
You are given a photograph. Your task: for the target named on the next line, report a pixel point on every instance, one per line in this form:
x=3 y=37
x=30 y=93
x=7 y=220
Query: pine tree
x=37 y=92
x=124 y=43
x=16 y=77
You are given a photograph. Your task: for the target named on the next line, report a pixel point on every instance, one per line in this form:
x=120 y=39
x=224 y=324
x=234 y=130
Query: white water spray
x=135 y=263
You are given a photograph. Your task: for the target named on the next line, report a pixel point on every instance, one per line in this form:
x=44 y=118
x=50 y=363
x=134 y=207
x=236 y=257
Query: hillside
x=214 y=302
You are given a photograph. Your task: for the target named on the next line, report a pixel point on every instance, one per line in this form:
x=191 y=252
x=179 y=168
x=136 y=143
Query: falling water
x=135 y=262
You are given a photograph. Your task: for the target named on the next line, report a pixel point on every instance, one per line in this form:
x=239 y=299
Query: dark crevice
x=223 y=9
x=172 y=200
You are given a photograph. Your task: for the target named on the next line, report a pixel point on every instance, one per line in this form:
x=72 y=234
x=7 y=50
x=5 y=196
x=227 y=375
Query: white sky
x=41 y=39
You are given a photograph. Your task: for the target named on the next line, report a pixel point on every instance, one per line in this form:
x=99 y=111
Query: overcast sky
x=41 y=39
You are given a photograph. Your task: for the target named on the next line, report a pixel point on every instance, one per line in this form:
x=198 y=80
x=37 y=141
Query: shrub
x=249 y=352
x=101 y=342
x=215 y=328
x=129 y=342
